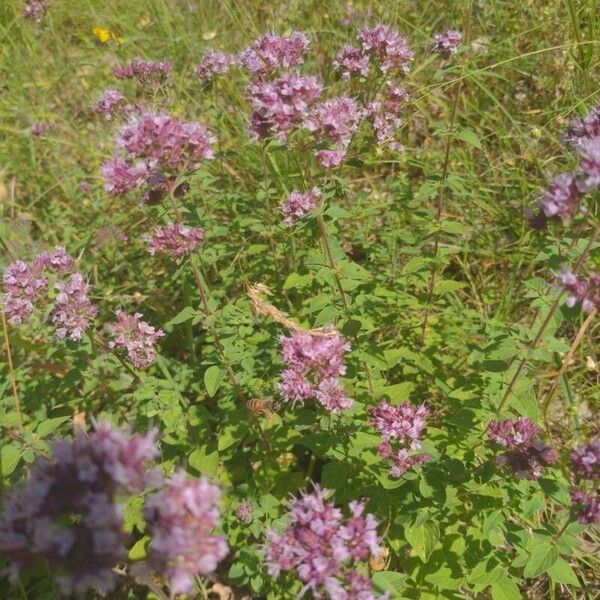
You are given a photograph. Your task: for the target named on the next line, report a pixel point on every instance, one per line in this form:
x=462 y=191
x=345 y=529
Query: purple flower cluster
x=26 y=284
x=388 y=47
x=334 y=122
x=181 y=519
x=35 y=10
x=446 y=43
x=155 y=146
x=584 y=129
x=526 y=455
x=39 y=128
x=73 y=311
x=280 y=105
x=145 y=72
x=578 y=290
x=67 y=515
x=385 y=113
x=271 y=52
x=564 y=195
x=587 y=506
x=314 y=365
x=214 y=63
x=319 y=545
x=586 y=464
x=299 y=204
x=586 y=460
x=136 y=337
x=244 y=512
x=351 y=60
x=109 y=104
x=401 y=427
x=177 y=240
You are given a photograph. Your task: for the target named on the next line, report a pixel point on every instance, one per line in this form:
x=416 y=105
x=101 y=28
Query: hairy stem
x=458 y=86
x=329 y=255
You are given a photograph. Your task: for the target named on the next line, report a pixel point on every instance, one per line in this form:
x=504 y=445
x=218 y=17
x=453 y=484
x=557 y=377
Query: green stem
x=329 y=255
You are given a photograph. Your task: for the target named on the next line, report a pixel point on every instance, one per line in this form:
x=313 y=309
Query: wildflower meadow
x=299 y=299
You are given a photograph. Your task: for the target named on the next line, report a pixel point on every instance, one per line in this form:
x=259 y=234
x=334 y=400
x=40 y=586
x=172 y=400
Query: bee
x=261 y=406
x=380 y=561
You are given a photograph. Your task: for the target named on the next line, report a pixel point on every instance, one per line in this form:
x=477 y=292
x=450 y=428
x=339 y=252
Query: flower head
x=586 y=460
x=39 y=128
x=320 y=545
x=562 y=198
x=299 y=204
x=214 y=63
x=177 y=240
x=586 y=506
x=386 y=46
x=525 y=454
x=67 y=515
x=584 y=129
x=244 y=512
x=35 y=10
x=589 y=164
x=109 y=104
x=386 y=115
x=145 y=72
x=446 y=43
x=351 y=61
x=280 y=105
x=136 y=337
x=271 y=52
x=73 y=311
x=181 y=519
x=314 y=364
x=579 y=290
x=24 y=284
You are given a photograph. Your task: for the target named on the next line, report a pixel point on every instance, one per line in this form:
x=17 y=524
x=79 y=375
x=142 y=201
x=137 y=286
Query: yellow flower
x=101 y=34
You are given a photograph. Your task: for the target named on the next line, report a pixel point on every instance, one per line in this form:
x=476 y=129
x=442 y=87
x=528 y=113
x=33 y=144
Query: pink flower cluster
x=109 y=104
x=299 y=204
x=176 y=240
x=73 y=311
x=319 y=545
x=25 y=284
x=244 y=512
x=181 y=519
x=67 y=515
x=334 y=122
x=214 y=63
x=314 y=365
x=351 y=60
x=586 y=464
x=145 y=72
x=35 y=10
x=136 y=337
x=271 y=52
x=280 y=105
x=39 y=128
x=388 y=47
x=584 y=129
x=401 y=427
x=587 y=506
x=525 y=455
x=578 y=290
x=586 y=460
x=564 y=195
x=385 y=113
x=446 y=43
x=155 y=146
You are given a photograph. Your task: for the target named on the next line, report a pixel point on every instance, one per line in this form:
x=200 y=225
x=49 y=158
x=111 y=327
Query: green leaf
x=139 y=549
x=506 y=589
x=447 y=285
x=49 y=425
x=10 y=457
x=470 y=137
x=423 y=538
x=562 y=572
x=295 y=280
x=184 y=315
x=544 y=555
x=389 y=581
x=213 y=377
x=204 y=461
x=399 y=392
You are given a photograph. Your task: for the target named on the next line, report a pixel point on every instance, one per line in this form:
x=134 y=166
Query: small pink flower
x=176 y=240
